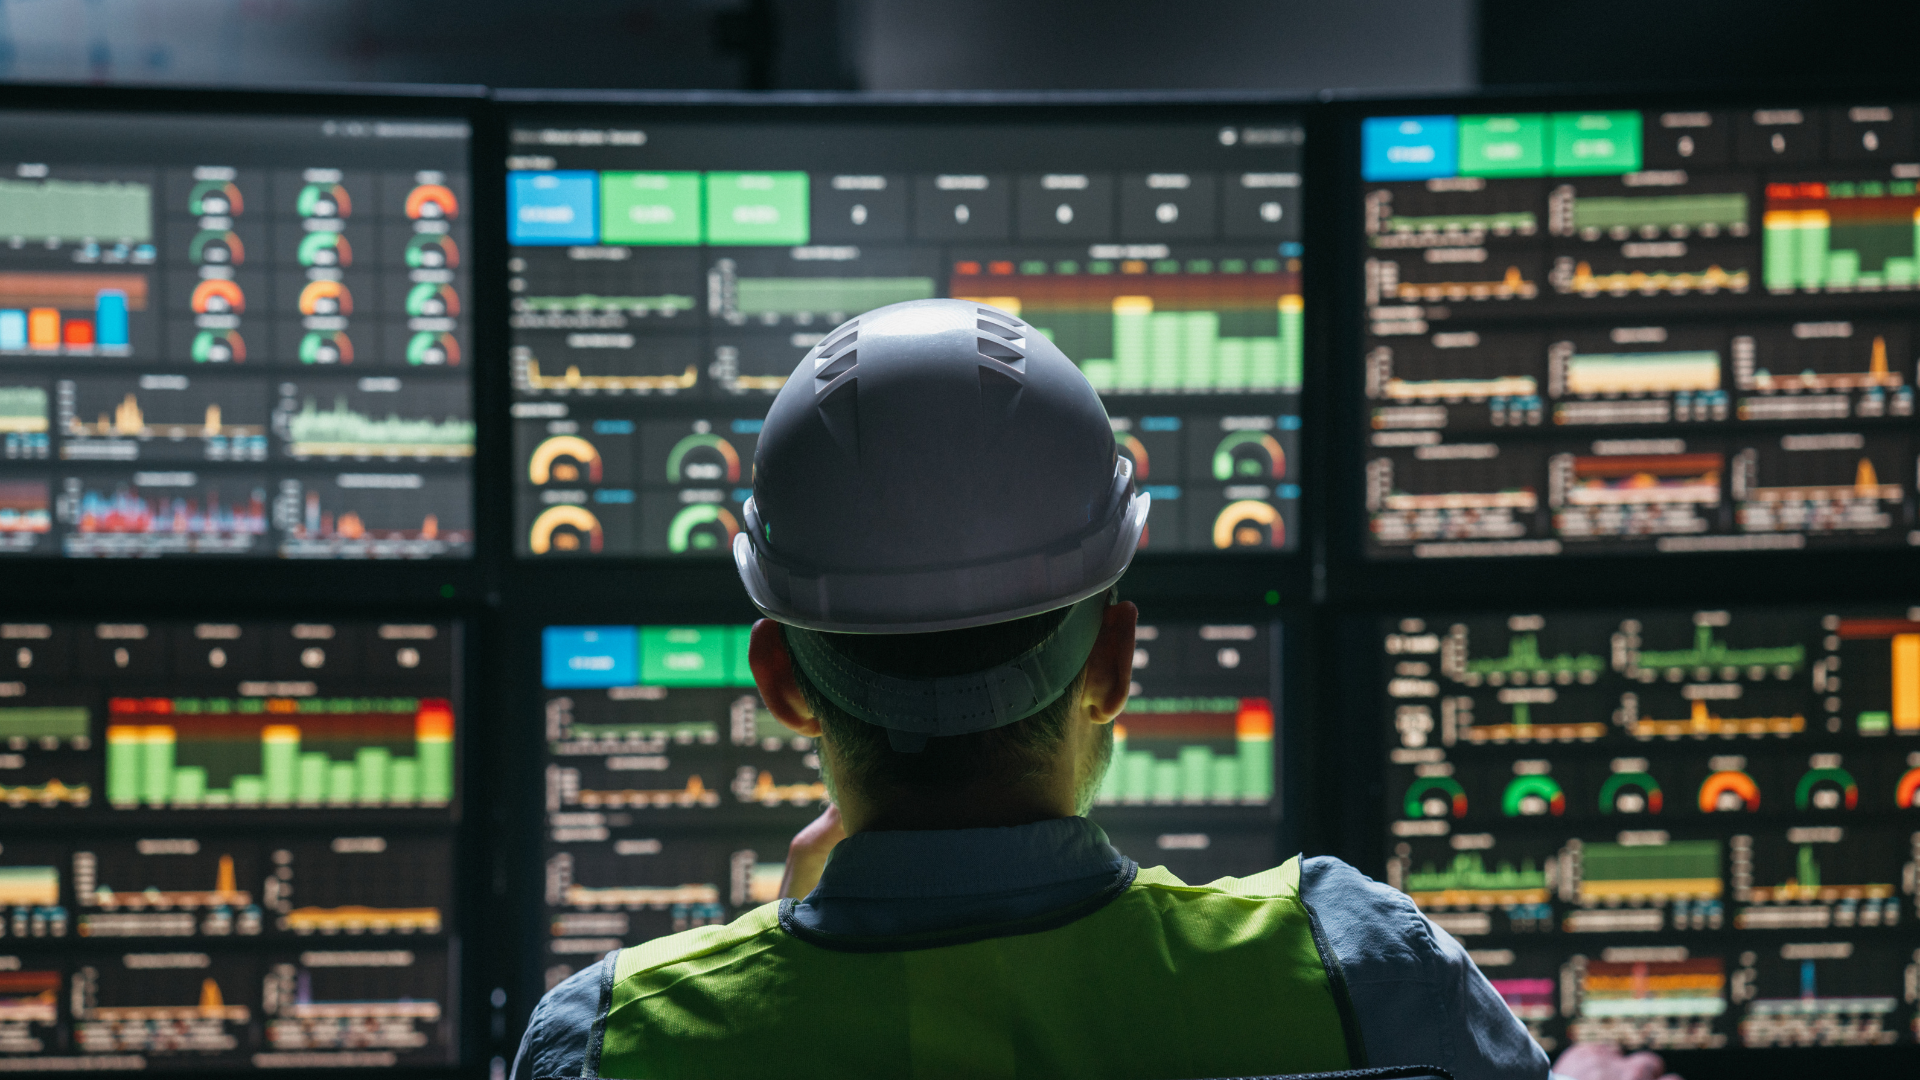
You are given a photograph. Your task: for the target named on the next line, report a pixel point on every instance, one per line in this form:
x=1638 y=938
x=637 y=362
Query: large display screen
x=1638 y=331
x=233 y=336
x=1666 y=828
x=668 y=274
x=227 y=845
x=671 y=792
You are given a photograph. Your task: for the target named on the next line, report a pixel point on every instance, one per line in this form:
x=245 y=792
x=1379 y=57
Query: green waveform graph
x=345 y=432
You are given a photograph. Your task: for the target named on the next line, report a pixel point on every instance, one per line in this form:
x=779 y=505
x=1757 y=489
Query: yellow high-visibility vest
x=1155 y=980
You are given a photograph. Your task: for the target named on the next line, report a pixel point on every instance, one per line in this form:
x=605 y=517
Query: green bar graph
x=1200 y=336
x=1195 y=774
x=308 y=753
x=1168 y=355
x=1812 y=245
x=279 y=757
x=157 y=776
x=371 y=767
x=189 y=784
x=1131 y=346
x=1170 y=351
x=435 y=757
x=312 y=788
x=1780 y=258
x=403 y=783
x=1841 y=236
x=341 y=783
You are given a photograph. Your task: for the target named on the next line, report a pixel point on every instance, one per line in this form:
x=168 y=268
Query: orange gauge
x=565 y=528
x=218 y=296
x=432 y=201
x=325 y=298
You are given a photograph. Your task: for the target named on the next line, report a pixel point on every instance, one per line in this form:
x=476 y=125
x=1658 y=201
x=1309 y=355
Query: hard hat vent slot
x=836 y=340
x=835 y=368
x=1001 y=330
x=995 y=349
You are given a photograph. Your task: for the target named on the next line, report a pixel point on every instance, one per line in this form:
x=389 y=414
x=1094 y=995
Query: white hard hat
x=937 y=465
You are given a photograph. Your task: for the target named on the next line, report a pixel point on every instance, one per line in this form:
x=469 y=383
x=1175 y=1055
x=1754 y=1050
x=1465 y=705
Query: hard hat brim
x=897 y=603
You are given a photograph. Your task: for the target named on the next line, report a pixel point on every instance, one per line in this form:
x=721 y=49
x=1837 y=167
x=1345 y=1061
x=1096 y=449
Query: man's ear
x=773 y=673
x=1109 y=670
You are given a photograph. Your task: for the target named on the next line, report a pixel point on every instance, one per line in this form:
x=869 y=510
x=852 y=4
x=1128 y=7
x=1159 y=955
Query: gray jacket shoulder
x=1418 y=997
x=560 y=1041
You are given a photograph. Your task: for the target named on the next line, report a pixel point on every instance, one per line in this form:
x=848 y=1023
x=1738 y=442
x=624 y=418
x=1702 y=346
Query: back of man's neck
x=972 y=808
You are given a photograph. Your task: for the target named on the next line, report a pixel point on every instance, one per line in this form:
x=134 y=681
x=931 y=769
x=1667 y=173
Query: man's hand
x=1601 y=1061
x=807 y=855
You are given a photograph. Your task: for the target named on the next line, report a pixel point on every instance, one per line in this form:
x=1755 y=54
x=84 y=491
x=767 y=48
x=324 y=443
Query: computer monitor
x=1665 y=828
x=229 y=845
x=235 y=336
x=1604 y=329
x=671 y=792
x=672 y=265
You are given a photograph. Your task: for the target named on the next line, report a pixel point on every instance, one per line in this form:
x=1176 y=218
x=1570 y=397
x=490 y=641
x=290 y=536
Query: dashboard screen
x=234 y=336
x=227 y=846
x=668 y=274
x=1640 y=331
x=1666 y=829
x=671 y=792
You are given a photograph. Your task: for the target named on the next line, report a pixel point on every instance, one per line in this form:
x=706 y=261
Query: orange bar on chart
x=43 y=328
x=1906 y=682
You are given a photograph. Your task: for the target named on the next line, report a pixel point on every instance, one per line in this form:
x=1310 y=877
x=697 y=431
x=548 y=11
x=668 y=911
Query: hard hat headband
x=914 y=710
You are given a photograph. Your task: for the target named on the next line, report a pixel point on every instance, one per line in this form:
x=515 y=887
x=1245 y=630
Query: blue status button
x=578 y=657
x=553 y=207
x=1409 y=147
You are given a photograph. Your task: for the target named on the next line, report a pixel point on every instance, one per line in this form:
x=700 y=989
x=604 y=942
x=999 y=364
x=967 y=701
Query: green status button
x=1595 y=143
x=757 y=208
x=1512 y=145
x=650 y=208
x=685 y=655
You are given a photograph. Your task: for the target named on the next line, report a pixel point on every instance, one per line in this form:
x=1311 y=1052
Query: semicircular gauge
x=326 y=347
x=1249 y=456
x=1249 y=523
x=427 y=300
x=703 y=457
x=1727 y=791
x=218 y=347
x=565 y=528
x=1533 y=796
x=429 y=348
x=563 y=459
x=326 y=298
x=218 y=296
x=216 y=247
x=324 y=249
x=1630 y=793
x=702 y=527
x=1436 y=797
x=432 y=251
x=432 y=202
x=215 y=198
x=324 y=201
x=1826 y=789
